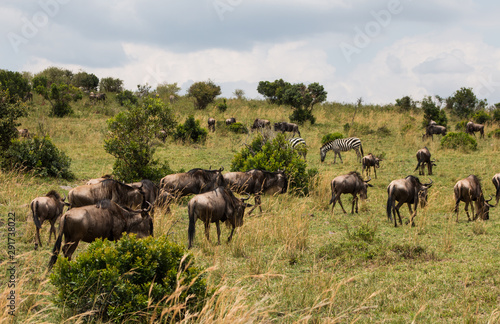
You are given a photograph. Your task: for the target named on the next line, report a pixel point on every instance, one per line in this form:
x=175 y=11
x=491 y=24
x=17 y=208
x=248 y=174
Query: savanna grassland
x=296 y=261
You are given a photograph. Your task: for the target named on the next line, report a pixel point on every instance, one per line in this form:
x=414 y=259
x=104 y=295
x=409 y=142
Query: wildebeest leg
x=69 y=248
x=218 y=232
x=230 y=235
x=207 y=230
x=52 y=230
x=340 y=203
x=375 y=170
x=354 y=201
x=467 y=210
x=258 y=202
x=37 y=238
x=399 y=214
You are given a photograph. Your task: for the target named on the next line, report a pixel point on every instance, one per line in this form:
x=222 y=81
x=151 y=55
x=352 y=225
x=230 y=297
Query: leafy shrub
x=39 y=156
x=127 y=96
x=301 y=115
x=460 y=126
x=459 y=141
x=222 y=106
x=495 y=133
x=238 y=128
x=9 y=113
x=191 y=131
x=273 y=155
x=110 y=84
x=433 y=112
x=331 y=137
x=124 y=280
x=481 y=117
x=496 y=114
x=406 y=103
x=203 y=93
x=363 y=233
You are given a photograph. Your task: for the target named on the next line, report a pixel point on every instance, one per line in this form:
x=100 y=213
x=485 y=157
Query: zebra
x=298 y=141
x=342 y=145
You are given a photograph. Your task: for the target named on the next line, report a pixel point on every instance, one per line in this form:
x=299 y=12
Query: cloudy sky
x=379 y=50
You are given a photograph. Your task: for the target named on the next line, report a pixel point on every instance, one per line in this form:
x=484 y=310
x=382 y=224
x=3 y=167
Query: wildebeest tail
x=57 y=246
x=389 y=204
x=192 y=220
x=35 y=216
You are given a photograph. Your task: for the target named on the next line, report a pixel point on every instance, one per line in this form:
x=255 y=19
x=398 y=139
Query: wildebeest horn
x=428 y=184
x=245 y=199
x=488 y=199
x=369 y=178
x=64 y=197
x=221 y=169
x=149 y=208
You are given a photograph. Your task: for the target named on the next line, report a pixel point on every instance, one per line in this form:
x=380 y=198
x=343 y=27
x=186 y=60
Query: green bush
x=203 y=93
x=301 y=115
x=496 y=115
x=495 y=133
x=222 y=106
x=238 y=128
x=459 y=141
x=481 y=117
x=130 y=279
x=125 y=97
x=460 y=126
x=191 y=131
x=39 y=156
x=273 y=155
x=331 y=137
x=383 y=131
x=9 y=113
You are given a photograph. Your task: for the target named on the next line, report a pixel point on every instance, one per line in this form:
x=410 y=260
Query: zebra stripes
x=342 y=145
x=298 y=141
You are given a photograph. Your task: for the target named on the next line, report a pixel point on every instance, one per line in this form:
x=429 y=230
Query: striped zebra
x=301 y=143
x=342 y=145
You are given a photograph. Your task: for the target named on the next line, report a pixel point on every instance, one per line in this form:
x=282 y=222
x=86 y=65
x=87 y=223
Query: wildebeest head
x=277 y=126
x=420 y=189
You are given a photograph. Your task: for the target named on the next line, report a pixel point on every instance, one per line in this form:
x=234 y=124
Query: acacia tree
x=130 y=139
x=300 y=97
x=462 y=103
x=204 y=93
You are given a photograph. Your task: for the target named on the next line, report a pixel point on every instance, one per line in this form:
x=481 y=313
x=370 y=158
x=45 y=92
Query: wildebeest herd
x=107 y=208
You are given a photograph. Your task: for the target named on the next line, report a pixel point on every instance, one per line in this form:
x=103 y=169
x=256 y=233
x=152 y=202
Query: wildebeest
x=260 y=123
x=432 y=130
x=24 y=132
x=49 y=207
x=257 y=182
x=116 y=191
x=496 y=183
x=106 y=220
x=471 y=128
x=28 y=97
x=286 y=127
x=469 y=190
x=423 y=158
x=230 y=121
x=171 y=98
x=149 y=188
x=97 y=96
x=164 y=200
x=431 y=122
x=211 y=124
x=98 y=180
x=408 y=190
x=369 y=161
x=351 y=183
x=194 y=181
x=219 y=205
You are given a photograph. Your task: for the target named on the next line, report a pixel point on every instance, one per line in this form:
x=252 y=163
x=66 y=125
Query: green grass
x=296 y=261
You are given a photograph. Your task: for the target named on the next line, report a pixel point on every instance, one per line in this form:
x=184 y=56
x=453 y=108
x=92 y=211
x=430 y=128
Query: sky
x=377 y=50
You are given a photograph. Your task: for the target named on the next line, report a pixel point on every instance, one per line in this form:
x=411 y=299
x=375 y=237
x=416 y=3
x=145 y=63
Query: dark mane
x=413 y=179
x=357 y=174
x=104 y=204
x=53 y=194
x=476 y=179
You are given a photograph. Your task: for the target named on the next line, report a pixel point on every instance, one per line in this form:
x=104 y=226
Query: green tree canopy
x=110 y=84
x=433 y=112
x=406 y=103
x=9 y=113
x=463 y=102
x=88 y=81
x=58 y=94
x=56 y=75
x=204 y=93
x=17 y=85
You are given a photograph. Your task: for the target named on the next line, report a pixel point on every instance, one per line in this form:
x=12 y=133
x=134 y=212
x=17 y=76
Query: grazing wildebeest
x=219 y=205
x=211 y=124
x=149 y=188
x=164 y=200
x=408 y=190
x=423 y=158
x=432 y=130
x=469 y=190
x=116 y=191
x=471 y=128
x=24 y=132
x=49 y=207
x=369 y=161
x=260 y=123
x=171 y=98
x=230 y=121
x=431 y=122
x=106 y=220
x=98 y=180
x=286 y=127
x=194 y=181
x=342 y=145
x=496 y=183
x=351 y=183
x=100 y=97
x=257 y=182
x=28 y=97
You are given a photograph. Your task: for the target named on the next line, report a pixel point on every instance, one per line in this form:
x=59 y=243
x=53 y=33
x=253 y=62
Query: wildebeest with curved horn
x=113 y=190
x=257 y=182
x=230 y=121
x=469 y=190
x=106 y=220
x=49 y=207
x=471 y=128
x=149 y=188
x=432 y=130
x=286 y=127
x=219 y=205
x=194 y=181
x=260 y=123
x=351 y=183
x=98 y=180
x=211 y=124
x=408 y=190
x=369 y=161
x=496 y=183
x=423 y=158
